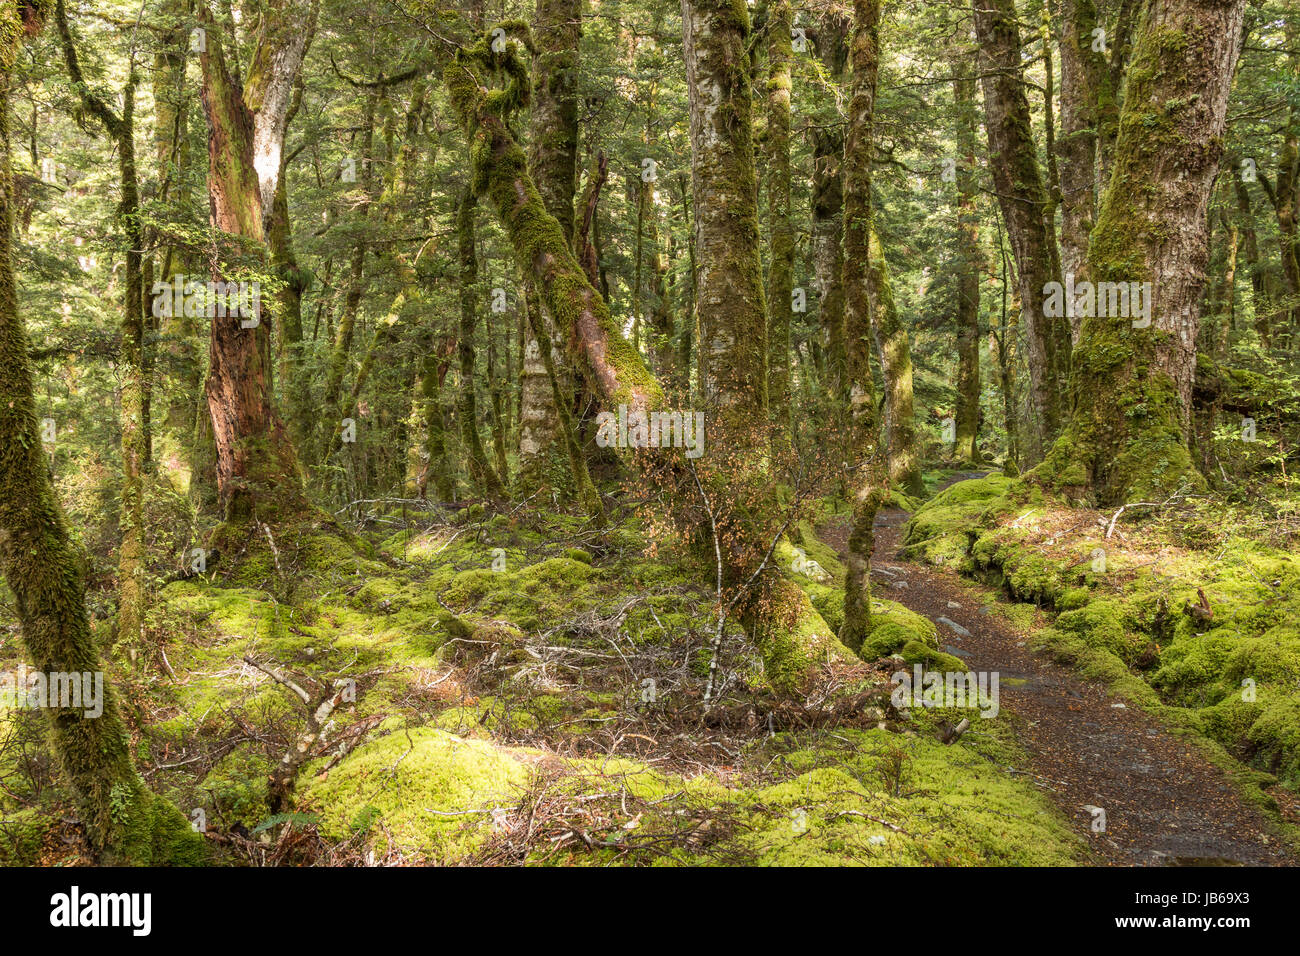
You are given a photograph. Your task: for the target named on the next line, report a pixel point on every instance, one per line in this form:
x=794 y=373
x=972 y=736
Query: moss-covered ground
x=525 y=688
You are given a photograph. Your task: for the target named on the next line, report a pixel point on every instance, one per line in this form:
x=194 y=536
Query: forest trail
x=1165 y=804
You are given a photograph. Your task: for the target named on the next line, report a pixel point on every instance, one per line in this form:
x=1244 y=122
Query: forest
x=639 y=433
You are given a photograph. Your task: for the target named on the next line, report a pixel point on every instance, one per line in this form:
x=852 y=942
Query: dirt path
x=1164 y=803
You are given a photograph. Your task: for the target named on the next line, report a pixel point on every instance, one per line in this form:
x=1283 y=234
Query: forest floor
x=529 y=689
x=1164 y=802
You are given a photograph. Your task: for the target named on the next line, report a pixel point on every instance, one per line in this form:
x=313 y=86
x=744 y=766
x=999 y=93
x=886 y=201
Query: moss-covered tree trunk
x=1018 y=182
x=1263 y=282
x=480 y=469
x=827 y=230
x=1005 y=338
x=730 y=304
x=180 y=380
x=780 y=236
x=295 y=383
x=966 y=418
x=894 y=348
x=553 y=160
x=125 y=823
x=1085 y=98
x=868 y=476
x=437 y=469
x=1285 y=193
x=1132 y=384
x=257 y=470
x=828 y=260
x=341 y=352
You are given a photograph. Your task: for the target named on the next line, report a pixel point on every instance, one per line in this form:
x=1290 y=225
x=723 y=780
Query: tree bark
x=1085 y=95
x=553 y=161
x=869 y=475
x=480 y=469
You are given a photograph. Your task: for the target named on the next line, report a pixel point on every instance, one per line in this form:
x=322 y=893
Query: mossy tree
x=485 y=477
x=125 y=822
x=1132 y=382
x=970 y=261
x=553 y=160
x=1023 y=198
x=827 y=229
x=780 y=235
x=257 y=468
x=1087 y=101
x=869 y=477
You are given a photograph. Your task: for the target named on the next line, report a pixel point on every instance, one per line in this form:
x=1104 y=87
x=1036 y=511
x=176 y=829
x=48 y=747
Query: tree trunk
x=1262 y=282
x=332 y=412
x=553 y=160
x=1132 y=387
x=257 y=471
x=970 y=262
x=480 y=469
x=895 y=353
x=869 y=476
x=1085 y=87
x=827 y=232
x=780 y=275
x=125 y=823
x=1019 y=185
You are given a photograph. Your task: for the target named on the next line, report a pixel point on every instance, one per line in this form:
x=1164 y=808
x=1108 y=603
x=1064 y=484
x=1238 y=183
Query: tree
x=553 y=160
x=126 y=824
x=966 y=419
x=257 y=469
x=1018 y=181
x=869 y=476
x=1132 y=383
x=780 y=272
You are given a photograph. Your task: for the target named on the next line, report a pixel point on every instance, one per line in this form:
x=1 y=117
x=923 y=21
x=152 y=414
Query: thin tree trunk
x=894 y=349
x=342 y=351
x=969 y=265
x=1085 y=87
x=1024 y=201
x=780 y=276
x=481 y=471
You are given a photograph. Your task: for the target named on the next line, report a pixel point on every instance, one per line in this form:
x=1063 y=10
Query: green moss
x=961 y=808
x=426 y=792
x=22 y=833
x=940 y=531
